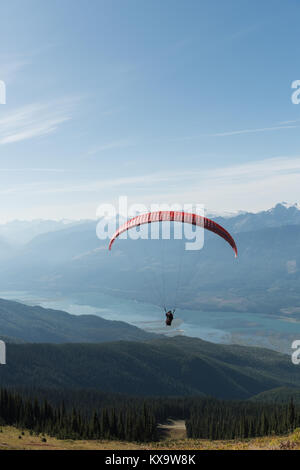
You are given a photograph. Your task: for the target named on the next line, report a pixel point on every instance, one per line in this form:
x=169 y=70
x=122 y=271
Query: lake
x=220 y=327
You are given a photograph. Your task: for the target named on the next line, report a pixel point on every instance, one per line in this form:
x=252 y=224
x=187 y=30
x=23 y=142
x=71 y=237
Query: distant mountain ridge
x=20 y=232
x=23 y=231
x=278 y=216
x=22 y=323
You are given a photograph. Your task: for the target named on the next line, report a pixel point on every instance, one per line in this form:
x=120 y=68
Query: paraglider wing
x=175 y=216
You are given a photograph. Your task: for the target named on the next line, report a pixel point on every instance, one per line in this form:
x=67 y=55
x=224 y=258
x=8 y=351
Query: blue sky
x=163 y=101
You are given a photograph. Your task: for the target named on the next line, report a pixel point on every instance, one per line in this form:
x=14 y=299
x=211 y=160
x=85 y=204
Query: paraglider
x=175 y=216
x=169 y=316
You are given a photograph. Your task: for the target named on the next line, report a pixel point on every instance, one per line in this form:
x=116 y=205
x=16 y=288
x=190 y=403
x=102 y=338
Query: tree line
x=212 y=419
x=105 y=416
x=134 y=423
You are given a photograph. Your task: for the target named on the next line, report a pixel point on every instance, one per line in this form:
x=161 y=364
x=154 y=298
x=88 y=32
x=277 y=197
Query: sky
x=161 y=101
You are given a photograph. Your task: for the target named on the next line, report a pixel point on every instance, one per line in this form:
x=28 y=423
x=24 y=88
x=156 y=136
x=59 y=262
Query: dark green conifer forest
x=137 y=419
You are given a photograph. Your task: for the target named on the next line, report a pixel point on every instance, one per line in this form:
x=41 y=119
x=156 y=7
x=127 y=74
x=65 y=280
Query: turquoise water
x=219 y=327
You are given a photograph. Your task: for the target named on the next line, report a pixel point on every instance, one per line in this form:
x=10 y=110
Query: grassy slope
x=9 y=440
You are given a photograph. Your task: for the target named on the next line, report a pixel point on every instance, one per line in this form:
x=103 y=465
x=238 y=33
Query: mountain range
x=281 y=214
x=21 y=323
x=265 y=278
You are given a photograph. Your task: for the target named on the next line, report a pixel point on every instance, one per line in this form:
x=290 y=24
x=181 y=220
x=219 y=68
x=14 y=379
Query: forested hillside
x=138 y=420
x=22 y=323
x=168 y=366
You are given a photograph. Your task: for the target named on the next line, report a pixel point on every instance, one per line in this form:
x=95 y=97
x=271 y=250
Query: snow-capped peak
x=288 y=205
x=285 y=205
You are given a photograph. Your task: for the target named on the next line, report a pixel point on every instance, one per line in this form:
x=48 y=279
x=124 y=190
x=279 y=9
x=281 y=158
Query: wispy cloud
x=262 y=170
x=281 y=126
x=291 y=121
x=250 y=131
x=243 y=32
x=34 y=120
x=251 y=186
x=38 y=170
x=117 y=144
x=9 y=68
